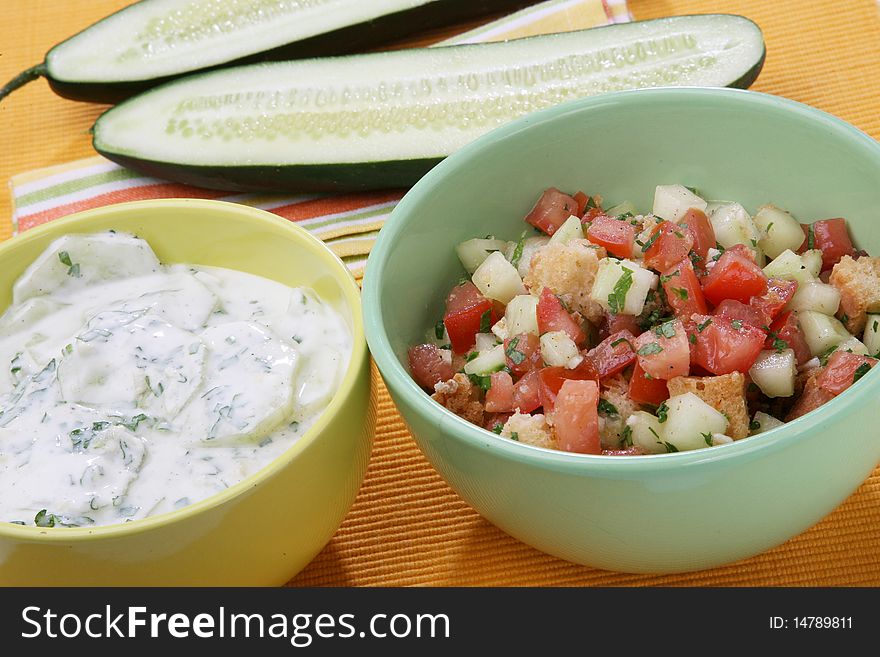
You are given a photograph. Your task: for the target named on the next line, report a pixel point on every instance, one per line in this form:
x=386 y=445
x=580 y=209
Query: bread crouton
x=529 y=429
x=859 y=285
x=461 y=397
x=725 y=393
x=615 y=407
x=569 y=271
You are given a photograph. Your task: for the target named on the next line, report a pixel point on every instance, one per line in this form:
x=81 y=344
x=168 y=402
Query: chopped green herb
x=471 y=356
x=702 y=327
x=780 y=344
x=678 y=234
x=719 y=248
x=617 y=298
x=825 y=355
x=811 y=237
x=754 y=243
x=64 y=257
x=591 y=203
x=498 y=428
x=511 y=352
x=670 y=447
x=439 y=330
x=647 y=245
x=74 y=271
x=692 y=338
x=650 y=349
x=626 y=436
x=754 y=425
x=681 y=292
x=707 y=437
x=486 y=322
x=666 y=329
x=621 y=341
x=514 y=436
x=662 y=411
x=753 y=388
x=769 y=226
x=45 y=519
x=625 y=216
x=656 y=435
x=844 y=318
x=518 y=250
x=875 y=325
x=737 y=324
x=484 y=382
x=606 y=407
x=648 y=377
x=861 y=370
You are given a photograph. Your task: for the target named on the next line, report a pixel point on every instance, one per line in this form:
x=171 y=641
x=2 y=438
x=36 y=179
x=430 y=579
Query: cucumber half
x=154 y=41
x=383 y=120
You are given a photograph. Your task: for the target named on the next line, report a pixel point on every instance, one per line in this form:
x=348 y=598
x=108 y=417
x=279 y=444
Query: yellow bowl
x=265 y=529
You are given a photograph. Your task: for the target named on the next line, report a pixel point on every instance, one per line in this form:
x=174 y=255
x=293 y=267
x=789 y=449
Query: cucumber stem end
x=22 y=79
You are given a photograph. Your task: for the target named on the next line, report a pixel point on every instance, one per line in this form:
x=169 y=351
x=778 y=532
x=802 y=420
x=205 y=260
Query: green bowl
x=266 y=528
x=648 y=514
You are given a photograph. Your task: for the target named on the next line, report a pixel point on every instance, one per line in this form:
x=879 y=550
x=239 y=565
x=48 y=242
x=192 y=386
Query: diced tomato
x=842 y=370
x=550 y=380
x=592 y=213
x=734 y=276
x=576 y=417
x=465 y=312
x=495 y=421
x=787 y=328
x=614 y=354
x=663 y=351
x=553 y=317
x=551 y=210
x=724 y=346
x=616 y=236
x=499 y=397
x=428 y=366
x=779 y=293
x=832 y=237
x=522 y=353
x=683 y=291
x=744 y=251
x=581 y=199
x=669 y=245
x=697 y=224
x=811 y=398
x=612 y=323
x=527 y=392
x=733 y=309
x=646 y=390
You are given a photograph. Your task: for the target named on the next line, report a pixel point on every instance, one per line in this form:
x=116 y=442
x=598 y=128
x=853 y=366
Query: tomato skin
x=647 y=391
x=581 y=199
x=683 y=277
x=527 y=393
x=427 y=366
x=831 y=237
x=674 y=355
x=551 y=210
x=465 y=307
x=607 y=360
x=721 y=348
x=527 y=344
x=553 y=317
x=734 y=276
x=700 y=228
x=733 y=309
x=576 y=417
x=779 y=293
x=787 y=327
x=618 y=237
x=811 y=398
x=840 y=371
x=499 y=397
x=550 y=380
x=670 y=244
x=612 y=323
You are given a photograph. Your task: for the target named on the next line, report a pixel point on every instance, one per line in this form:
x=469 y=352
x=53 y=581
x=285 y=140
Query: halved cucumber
x=153 y=41
x=384 y=119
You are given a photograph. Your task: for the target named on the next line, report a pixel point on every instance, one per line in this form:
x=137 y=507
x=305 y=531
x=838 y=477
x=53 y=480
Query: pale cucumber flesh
x=417 y=105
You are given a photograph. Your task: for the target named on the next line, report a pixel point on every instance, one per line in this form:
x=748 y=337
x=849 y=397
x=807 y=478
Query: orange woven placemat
x=407 y=527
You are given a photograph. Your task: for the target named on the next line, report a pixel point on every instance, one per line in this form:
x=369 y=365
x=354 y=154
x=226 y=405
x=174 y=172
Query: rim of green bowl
x=262 y=220
x=455 y=427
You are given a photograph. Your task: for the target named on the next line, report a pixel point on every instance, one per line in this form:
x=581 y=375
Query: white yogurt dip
x=130 y=388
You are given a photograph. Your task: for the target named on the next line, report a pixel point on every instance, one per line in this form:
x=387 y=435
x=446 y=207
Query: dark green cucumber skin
x=348 y=39
x=342 y=177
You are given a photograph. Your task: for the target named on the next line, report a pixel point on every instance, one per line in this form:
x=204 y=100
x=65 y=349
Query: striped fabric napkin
x=348 y=223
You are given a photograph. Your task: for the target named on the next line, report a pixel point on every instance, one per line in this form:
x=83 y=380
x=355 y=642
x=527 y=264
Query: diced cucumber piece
x=733 y=225
x=497 y=279
x=487 y=362
x=671 y=202
x=621 y=286
x=854 y=346
x=817 y=296
x=720 y=439
x=763 y=422
x=646 y=431
x=789 y=266
x=499 y=330
x=821 y=331
x=472 y=253
x=774 y=372
x=522 y=315
x=871 y=338
x=557 y=349
x=689 y=420
x=780 y=231
x=622 y=208
x=431 y=336
x=571 y=229
x=485 y=341
x=523 y=260
x=24 y=316
x=812 y=260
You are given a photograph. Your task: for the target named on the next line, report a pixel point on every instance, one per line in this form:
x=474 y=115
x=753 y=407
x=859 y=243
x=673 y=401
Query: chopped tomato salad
x=605 y=330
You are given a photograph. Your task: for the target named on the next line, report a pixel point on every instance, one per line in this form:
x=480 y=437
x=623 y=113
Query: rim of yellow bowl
x=262 y=220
